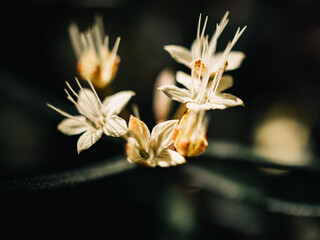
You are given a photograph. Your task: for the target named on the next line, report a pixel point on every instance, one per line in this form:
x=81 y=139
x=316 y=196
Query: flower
x=95 y=61
x=190 y=135
x=96 y=117
x=201 y=94
x=151 y=150
x=203 y=91
x=202 y=53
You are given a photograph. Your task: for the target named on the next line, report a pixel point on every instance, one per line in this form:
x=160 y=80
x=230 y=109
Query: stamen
x=193 y=90
x=91 y=105
x=213 y=86
x=224 y=21
x=74 y=93
x=205 y=77
x=115 y=47
x=204 y=27
x=99 y=27
x=87 y=114
x=84 y=41
x=93 y=90
x=98 y=39
x=219 y=28
x=63 y=113
x=218 y=80
x=90 y=40
x=198 y=31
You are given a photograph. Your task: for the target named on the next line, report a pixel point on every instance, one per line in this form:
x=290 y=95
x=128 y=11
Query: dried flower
x=96 y=117
x=202 y=53
x=203 y=91
x=151 y=150
x=95 y=61
x=190 y=135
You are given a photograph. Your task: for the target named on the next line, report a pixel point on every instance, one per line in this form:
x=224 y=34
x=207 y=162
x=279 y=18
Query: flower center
x=144 y=154
x=98 y=123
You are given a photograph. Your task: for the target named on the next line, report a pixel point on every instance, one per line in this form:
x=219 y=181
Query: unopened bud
x=190 y=135
x=91 y=67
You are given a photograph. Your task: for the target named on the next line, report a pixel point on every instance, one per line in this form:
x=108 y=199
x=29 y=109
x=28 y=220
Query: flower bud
x=91 y=67
x=190 y=135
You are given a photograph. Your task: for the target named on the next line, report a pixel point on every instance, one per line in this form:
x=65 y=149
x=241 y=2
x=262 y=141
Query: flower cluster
x=204 y=85
x=170 y=141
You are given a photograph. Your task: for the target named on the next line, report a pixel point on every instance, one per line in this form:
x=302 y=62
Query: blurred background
x=226 y=194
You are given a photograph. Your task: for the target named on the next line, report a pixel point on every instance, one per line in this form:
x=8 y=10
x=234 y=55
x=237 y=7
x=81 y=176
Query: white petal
x=175 y=93
x=198 y=107
x=225 y=83
x=87 y=139
x=225 y=100
x=115 y=127
x=180 y=54
x=234 y=59
x=186 y=80
x=73 y=126
x=89 y=105
x=161 y=135
x=115 y=103
x=140 y=132
x=133 y=151
x=169 y=158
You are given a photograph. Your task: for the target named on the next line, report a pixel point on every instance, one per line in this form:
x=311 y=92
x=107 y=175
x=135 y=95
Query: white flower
x=203 y=94
x=202 y=53
x=206 y=83
x=151 y=150
x=96 y=117
x=95 y=61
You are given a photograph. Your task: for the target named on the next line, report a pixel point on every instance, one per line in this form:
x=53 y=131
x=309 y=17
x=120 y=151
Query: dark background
x=282 y=47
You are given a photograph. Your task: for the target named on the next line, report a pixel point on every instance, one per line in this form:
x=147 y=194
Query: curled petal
x=115 y=103
x=169 y=158
x=161 y=135
x=139 y=131
x=175 y=93
x=115 y=127
x=73 y=126
x=180 y=54
x=87 y=139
